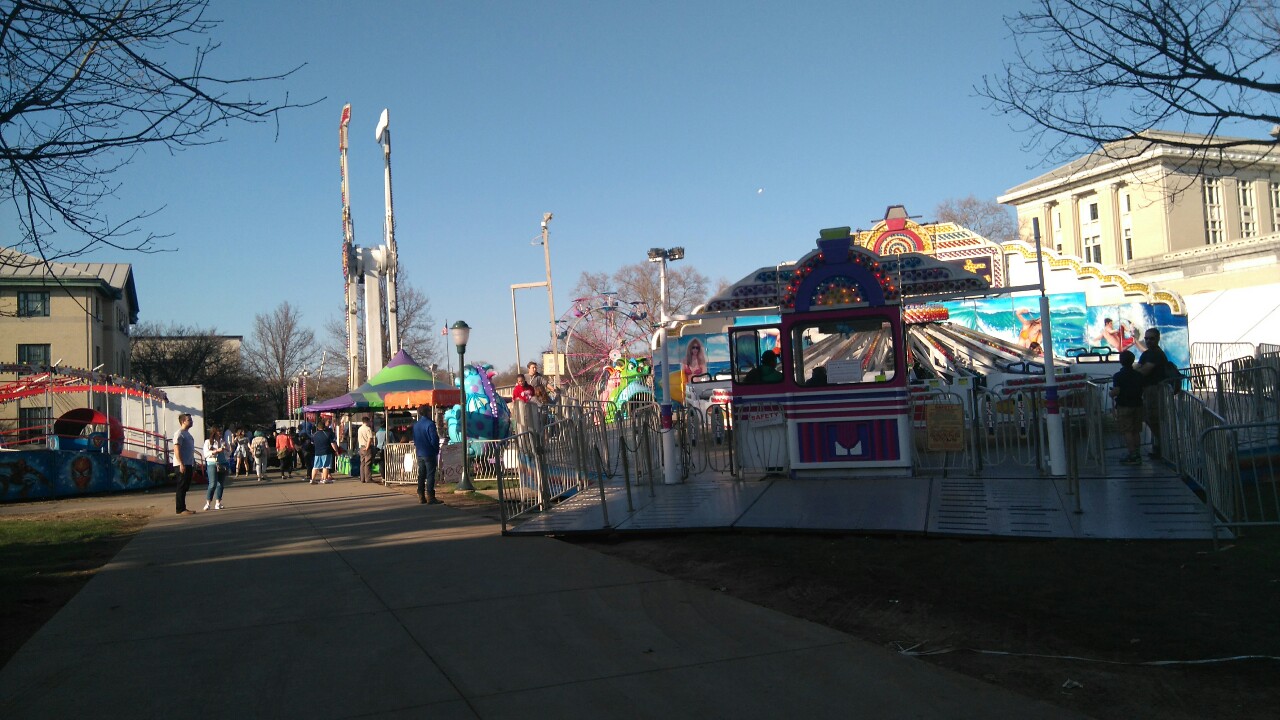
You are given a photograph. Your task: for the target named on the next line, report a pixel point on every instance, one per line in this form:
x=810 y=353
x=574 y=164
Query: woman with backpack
x=258 y=449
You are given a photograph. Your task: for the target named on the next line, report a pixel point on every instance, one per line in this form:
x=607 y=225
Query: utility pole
x=551 y=299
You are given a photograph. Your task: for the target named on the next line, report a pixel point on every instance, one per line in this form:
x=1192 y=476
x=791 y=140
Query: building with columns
x=1184 y=219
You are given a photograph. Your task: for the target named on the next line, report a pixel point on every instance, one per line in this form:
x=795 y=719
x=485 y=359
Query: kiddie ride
x=820 y=384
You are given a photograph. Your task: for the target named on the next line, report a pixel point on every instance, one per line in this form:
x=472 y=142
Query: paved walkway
x=350 y=600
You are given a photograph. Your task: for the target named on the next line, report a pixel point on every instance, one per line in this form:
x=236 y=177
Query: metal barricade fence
x=706 y=441
x=1248 y=393
x=400 y=464
x=1241 y=481
x=1012 y=425
x=925 y=459
x=760 y=437
x=586 y=448
x=1005 y=432
x=1213 y=354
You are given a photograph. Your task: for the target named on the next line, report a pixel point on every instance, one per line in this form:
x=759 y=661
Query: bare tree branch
x=1099 y=75
x=88 y=83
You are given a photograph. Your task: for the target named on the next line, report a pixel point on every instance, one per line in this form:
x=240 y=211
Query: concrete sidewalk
x=350 y=600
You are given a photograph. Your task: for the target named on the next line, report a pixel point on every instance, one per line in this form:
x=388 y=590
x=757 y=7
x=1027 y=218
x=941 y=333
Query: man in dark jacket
x=1151 y=364
x=426 y=442
x=1127 y=387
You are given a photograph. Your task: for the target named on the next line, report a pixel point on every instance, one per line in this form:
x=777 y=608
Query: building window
x=1248 y=210
x=33 y=354
x=1093 y=249
x=1125 y=204
x=1213 y=210
x=32 y=422
x=33 y=304
x=1275 y=207
x=1057 y=220
x=1128 y=244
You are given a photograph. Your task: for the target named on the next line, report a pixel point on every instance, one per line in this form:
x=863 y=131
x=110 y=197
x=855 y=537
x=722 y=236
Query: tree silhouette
x=86 y=85
x=1100 y=75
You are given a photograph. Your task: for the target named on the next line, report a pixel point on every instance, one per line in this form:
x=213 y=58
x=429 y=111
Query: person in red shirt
x=521 y=392
x=285 y=453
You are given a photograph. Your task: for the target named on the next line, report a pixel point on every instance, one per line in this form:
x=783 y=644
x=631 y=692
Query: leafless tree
x=640 y=283
x=86 y=84
x=281 y=347
x=178 y=354
x=1092 y=75
x=988 y=218
x=637 y=290
x=418 y=334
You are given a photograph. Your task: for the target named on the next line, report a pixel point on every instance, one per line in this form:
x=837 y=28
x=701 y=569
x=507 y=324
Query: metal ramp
x=1132 y=503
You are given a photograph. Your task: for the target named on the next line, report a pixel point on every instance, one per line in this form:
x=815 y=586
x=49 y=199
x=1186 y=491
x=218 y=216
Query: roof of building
x=17 y=268
x=1150 y=145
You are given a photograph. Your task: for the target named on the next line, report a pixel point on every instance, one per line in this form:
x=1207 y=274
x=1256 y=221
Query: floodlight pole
x=1053 y=417
x=670 y=472
x=551 y=299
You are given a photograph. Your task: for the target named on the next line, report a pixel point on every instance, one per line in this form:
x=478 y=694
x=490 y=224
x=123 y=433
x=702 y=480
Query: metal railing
x=1241 y=478
x=924 y=458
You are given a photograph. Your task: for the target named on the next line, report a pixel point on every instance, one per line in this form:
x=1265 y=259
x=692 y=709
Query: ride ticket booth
x=823 y=391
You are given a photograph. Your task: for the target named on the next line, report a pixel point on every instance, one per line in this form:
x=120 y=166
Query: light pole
x=461 y=332
x=551 y=300
x=670 y=475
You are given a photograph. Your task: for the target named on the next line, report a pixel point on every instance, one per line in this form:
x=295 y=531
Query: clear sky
x=735 y=129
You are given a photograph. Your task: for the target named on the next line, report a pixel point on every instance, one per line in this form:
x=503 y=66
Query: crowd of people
x=242 y=453
x=314 y=449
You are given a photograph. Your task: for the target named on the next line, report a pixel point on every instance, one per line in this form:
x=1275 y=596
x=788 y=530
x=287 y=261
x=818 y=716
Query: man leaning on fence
x=1151 y=364
x=426 y=442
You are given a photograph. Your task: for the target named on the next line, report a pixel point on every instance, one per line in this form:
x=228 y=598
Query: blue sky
x=638 y=124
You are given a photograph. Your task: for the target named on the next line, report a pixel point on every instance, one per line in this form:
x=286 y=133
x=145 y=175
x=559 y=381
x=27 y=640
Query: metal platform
x=1144 y=502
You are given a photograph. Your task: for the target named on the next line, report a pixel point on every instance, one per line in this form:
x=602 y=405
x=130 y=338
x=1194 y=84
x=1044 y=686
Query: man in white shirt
x=184 y=459
x=368 y=442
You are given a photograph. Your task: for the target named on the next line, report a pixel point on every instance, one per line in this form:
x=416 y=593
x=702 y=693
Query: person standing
x=368 y=443
x=522 y=392
x=1127 y=387
x=285 y=452
x=258 y=451
x=325 y=451
x=426 y=442
x=1151 y=364
x=184 y=458
x=537 y=381
x=213 y=459
x=306 y=451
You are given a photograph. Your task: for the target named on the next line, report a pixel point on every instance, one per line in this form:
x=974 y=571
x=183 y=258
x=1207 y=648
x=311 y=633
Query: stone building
x=1194 y=222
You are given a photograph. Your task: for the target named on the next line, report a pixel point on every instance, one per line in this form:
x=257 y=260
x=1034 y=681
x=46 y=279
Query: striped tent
x=401 y=384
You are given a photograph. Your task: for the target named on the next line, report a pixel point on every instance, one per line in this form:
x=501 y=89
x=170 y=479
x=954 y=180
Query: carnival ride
x=114 y=442
x=607 y=355
x=374 y=268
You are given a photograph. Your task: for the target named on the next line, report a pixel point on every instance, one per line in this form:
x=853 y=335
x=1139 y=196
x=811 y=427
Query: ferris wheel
x=598 y=332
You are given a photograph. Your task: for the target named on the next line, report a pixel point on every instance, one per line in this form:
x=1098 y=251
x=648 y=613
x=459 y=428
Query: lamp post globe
x=461 y=332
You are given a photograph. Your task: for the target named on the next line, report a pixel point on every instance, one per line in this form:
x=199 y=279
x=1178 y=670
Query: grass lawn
x=45 y=559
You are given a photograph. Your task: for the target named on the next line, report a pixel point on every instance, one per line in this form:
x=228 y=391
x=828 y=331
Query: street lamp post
x=461 y=332
x=551 y=298
x=670 y=474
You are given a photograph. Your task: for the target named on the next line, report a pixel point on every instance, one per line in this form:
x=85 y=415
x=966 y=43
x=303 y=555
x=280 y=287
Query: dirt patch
x=959 y=603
